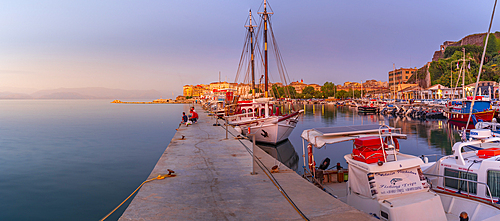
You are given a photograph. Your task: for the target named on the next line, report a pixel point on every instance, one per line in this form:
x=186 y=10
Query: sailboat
x=259 y=117
x=478 y=107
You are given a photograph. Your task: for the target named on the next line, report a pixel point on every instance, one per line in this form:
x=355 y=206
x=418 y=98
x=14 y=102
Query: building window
x=406 y=77
x=494 y=183
x=407 y=72
x=460 y=184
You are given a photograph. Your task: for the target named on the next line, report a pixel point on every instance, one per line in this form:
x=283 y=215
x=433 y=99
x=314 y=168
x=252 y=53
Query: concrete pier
x=213 y=182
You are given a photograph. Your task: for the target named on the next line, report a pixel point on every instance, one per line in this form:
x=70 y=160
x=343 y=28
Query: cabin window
x=494 y=183
x=243 y=111
x=460 y=184
x=262 y=111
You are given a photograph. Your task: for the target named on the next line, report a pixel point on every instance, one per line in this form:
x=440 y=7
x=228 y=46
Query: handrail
x=429 y=155
x=234 y=117
x=456 y=178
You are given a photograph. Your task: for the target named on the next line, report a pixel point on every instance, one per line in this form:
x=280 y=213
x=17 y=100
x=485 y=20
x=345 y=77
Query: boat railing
x=461 y=179
x=240 y=116
x=437 y=156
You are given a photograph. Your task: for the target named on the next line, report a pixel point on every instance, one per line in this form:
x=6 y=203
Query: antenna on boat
x=481 y=64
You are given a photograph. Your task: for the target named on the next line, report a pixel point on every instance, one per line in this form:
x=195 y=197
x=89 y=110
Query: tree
x=328 y=89
x=308 y=91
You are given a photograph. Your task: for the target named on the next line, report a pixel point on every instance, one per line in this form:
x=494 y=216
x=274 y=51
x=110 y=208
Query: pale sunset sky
x=164 y=44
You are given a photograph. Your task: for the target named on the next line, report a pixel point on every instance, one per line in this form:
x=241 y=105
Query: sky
x=164 y=44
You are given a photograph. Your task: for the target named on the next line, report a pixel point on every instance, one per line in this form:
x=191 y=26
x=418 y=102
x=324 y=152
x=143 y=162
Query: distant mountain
x=10 y=95
x=86 y=93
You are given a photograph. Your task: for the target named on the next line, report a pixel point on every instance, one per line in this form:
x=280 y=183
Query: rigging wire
x=481 y=64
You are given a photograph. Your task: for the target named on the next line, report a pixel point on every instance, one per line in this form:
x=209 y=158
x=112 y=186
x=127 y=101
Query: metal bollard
x=254 y=158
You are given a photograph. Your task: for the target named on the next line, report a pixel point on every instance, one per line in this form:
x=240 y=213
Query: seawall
x=213 y=182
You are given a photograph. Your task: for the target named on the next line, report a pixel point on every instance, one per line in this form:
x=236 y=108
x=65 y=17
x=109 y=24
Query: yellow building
x=187 y=90
x=219 y=85
x=399 y=77
x=316 y=87
x=299 y=86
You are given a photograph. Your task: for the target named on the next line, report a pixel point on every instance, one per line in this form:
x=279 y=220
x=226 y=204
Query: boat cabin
x=381 y=181
x=470 y=177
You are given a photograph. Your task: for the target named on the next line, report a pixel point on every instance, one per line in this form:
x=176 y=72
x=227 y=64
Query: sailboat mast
x=265 y=18
x=250 y=30
x=463 y=73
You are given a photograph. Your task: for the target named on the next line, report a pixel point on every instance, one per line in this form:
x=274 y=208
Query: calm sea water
x=77 y=159
x=424 y=137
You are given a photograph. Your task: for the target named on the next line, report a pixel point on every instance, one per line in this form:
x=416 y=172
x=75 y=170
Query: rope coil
x=159 y=177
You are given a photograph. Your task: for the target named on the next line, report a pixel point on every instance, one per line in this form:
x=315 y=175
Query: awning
x=318 y=137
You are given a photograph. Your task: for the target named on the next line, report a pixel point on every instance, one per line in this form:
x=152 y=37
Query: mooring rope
x=159 y=177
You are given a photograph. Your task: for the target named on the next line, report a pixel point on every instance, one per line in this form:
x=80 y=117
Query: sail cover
x=318 y=137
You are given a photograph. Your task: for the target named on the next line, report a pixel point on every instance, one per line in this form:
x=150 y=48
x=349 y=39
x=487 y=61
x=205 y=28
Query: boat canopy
x=479 y=106
x=318 y=137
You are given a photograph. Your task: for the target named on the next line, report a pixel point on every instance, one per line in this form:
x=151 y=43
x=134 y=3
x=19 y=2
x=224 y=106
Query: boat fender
x=324 y=164
x=394 y=141
x=310 y=156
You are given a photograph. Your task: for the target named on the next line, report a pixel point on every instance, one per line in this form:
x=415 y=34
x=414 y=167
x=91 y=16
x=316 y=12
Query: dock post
x=226 y=126
x=254 y=158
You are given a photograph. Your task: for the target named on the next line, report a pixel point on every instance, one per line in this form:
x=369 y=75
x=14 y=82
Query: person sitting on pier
x=184 y=118
x=194 y=115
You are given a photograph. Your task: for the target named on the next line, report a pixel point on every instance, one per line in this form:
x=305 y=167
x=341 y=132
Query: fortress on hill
x=474 y=39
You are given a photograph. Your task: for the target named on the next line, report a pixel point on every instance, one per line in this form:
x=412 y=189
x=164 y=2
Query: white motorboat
x=469 y=181
x=381 y=181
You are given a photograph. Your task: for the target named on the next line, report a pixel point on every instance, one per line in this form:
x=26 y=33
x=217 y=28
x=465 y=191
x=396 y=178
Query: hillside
x=448 y=61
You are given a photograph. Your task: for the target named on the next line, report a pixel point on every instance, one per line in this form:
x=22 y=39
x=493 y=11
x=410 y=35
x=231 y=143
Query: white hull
x=271 y=131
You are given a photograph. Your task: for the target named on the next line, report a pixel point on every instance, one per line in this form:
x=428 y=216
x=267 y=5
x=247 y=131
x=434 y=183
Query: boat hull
x=485 y=116
x=270 y=132
x=367 y=110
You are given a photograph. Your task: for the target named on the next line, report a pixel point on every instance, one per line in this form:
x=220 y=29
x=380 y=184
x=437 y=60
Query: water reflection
x=424 y=136
x=283 y=152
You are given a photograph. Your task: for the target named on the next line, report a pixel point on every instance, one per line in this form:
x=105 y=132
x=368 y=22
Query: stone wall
x=474 y=39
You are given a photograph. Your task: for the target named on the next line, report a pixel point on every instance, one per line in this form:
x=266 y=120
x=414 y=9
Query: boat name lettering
x=390 y=186
x=409 y=184
x=407 y=171
x=414 y=188
x=385 y=173
x=399 y=186
x=464 y=169
x=445 y=165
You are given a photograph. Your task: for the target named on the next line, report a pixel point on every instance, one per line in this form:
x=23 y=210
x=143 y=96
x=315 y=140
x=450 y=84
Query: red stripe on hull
x=485 y=116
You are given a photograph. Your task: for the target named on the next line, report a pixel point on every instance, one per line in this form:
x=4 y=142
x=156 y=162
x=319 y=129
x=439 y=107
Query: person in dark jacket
x=184 y=117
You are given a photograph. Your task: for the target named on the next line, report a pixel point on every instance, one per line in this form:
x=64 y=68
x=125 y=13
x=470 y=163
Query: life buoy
x=395 y=141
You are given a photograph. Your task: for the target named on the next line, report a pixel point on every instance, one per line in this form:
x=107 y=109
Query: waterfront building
x=299 y=86
x=219 y=85
x=243 y=89
x=398 y=79
x=187 y=90
x=192 y=91
x=485 y=88
x=316 y=87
